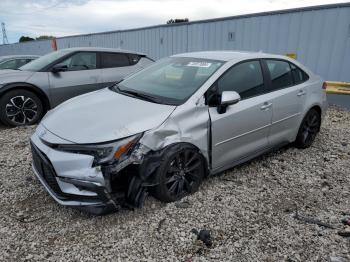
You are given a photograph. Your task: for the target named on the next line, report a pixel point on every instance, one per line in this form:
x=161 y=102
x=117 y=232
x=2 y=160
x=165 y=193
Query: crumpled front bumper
x=94 y=207
x=70 y=179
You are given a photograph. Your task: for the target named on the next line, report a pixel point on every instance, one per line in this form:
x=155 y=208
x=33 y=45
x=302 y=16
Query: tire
x=20 y=107
x=180 y=173
x=308 y=129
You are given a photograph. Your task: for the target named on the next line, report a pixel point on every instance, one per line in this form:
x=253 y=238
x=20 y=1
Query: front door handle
x=265 y=106
x=301 y=93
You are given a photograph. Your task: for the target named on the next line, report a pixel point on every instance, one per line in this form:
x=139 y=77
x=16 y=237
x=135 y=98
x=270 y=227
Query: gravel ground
x=248 y=210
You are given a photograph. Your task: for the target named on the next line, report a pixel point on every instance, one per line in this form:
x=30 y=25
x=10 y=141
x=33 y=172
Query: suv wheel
x=20 y=107
x=308 y=129
x=180 y=173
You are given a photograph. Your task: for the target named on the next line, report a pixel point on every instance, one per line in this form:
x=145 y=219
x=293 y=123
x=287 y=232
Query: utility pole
x=4 y=36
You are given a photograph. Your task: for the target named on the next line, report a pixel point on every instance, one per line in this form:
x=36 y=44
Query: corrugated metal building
x=319 y=36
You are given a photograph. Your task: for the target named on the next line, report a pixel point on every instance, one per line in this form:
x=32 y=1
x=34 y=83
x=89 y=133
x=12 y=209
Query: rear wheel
x=308 y=129
x=20 y=107
x=180 y=173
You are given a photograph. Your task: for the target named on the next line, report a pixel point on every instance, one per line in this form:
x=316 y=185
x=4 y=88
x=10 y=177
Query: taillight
x=324 y=86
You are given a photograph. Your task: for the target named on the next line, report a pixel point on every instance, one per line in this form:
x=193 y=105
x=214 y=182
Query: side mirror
x=228 y=98
x=59 y=68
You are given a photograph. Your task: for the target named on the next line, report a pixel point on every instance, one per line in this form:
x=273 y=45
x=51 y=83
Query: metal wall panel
x=27 y=48
x=320 y=36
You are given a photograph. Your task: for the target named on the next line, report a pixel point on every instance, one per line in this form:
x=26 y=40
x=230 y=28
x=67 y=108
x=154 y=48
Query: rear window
x=110 y=60
x=281 y=74
x=134 y=59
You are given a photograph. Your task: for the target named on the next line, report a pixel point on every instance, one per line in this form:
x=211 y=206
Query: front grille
x=45 y=169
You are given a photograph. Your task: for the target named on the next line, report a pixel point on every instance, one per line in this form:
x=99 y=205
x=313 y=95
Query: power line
x=36 y=11
x=4 y=35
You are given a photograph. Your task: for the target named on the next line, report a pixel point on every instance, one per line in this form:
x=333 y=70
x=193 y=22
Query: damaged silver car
x=164 y=129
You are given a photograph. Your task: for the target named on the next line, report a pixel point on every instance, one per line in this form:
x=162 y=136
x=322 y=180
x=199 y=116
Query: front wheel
x=180 y=173
x=20 y=107
x=308 y=129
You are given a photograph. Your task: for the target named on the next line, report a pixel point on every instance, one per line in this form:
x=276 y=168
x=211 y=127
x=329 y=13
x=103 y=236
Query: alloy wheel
x=310 y=127
x=21 y=110
x=184 y=170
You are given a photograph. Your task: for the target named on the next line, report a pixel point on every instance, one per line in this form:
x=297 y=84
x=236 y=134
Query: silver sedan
x=166 y=128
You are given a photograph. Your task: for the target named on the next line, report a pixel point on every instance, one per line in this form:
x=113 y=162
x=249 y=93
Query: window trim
x=265 y=79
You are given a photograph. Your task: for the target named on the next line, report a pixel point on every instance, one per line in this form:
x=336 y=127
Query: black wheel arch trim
x=20 y=85
x=317 y=107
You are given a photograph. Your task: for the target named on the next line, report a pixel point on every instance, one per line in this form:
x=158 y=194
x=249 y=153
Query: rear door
x=288 y=94
x=117 y=66
x=243 y=129
x=81 y=76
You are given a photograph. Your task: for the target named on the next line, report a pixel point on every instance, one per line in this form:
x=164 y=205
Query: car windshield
x=171 y=80
x=43 y=61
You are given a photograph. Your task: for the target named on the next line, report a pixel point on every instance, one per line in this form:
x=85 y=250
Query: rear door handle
x=265 y=106
x=301 y=93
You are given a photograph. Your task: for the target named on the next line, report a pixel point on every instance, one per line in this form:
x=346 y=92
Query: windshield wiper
x=137 y=94
x=141 y=95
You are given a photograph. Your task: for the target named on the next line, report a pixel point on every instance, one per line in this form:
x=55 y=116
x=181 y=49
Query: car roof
x=230 y=55
x=103 y=49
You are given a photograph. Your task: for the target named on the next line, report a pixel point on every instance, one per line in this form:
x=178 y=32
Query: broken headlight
x=106 y=152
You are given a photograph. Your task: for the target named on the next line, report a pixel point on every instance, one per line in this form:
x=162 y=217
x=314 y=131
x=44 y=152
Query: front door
x=81 y=76
x=243 y=129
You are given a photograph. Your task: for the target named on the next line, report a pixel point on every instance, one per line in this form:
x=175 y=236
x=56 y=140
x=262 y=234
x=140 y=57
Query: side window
x=245 y=78
x=29 y=60
x=281 y=74
x=110 y=60
x=80 y=61
x=11 y=64
x=21 y=62
x=299 y=75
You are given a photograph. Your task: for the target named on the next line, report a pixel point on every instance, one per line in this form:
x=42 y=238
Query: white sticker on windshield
x=199 y=64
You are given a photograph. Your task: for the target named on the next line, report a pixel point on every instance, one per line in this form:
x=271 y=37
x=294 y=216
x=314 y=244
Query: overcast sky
x=69 y=17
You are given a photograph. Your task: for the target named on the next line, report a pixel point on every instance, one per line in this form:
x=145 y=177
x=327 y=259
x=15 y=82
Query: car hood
x=9 y=76
x=103 y=116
